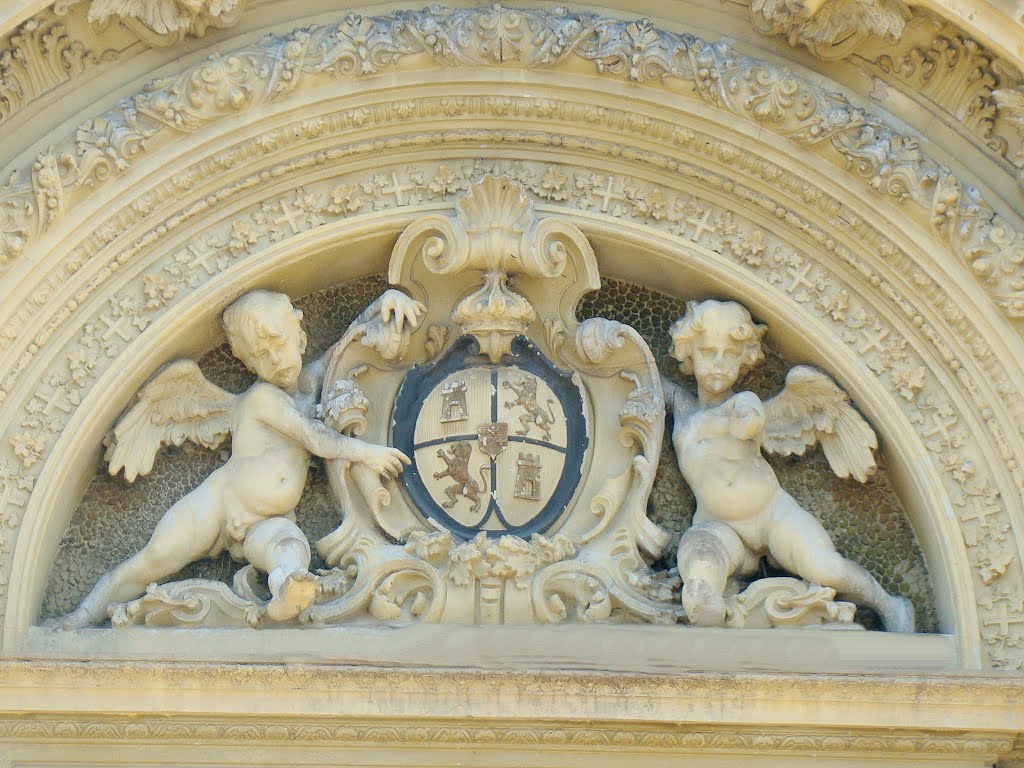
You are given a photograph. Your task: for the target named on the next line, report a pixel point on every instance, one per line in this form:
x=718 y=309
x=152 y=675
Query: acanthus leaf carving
x=38 y=56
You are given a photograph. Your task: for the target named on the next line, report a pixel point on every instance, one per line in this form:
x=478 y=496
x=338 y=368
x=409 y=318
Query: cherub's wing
x=177 y=404
x=812 y=408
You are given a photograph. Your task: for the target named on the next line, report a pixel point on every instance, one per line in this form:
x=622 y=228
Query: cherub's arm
x=320 y=440
x=678 y=401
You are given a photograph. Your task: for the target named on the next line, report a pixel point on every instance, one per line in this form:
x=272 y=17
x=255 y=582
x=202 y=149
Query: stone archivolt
x=784 y=102
x=28 y=448
x=117 y=279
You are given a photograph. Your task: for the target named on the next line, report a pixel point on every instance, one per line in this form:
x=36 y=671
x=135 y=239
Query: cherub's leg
x=709 y=553
x=801 y=546
x=277 y=547
x=186 y=532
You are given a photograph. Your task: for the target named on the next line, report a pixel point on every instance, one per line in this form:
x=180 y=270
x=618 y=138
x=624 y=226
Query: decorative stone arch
x=113 y=273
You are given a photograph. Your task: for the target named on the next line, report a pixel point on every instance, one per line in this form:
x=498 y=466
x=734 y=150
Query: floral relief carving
x=277 y=66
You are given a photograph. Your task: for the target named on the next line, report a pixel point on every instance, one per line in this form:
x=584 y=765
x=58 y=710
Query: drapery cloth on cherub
x=247 y=505
x=742 y=512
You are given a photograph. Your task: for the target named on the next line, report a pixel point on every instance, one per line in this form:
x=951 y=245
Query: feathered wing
x=811 y=408
x=177 y=404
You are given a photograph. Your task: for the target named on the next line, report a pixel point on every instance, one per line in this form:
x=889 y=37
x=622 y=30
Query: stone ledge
x=631 y=649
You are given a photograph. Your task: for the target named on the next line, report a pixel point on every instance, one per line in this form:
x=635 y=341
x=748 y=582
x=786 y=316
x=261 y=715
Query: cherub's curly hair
x=691 y=325
x=246 y=317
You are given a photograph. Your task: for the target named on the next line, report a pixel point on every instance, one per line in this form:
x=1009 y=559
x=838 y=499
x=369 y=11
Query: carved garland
x=691 y=218
x=278 y=66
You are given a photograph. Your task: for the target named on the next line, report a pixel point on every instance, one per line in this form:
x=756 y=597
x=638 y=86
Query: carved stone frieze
x=780 y=100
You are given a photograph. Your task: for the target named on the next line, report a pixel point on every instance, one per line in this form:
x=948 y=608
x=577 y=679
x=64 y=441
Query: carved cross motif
x=980 y=515
x=397 y=189
x=701 y=225
x=800 y=278
x=287 y=217
x=1003 y=619
x=610 y=194
x=872 y=341
x=201 y=258
x=121 y=327
x=10 y=496
x=939 y=427
x=54 y=399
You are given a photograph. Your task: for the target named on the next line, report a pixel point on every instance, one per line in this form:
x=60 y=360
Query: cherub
x=742 y=512
x=247 y=505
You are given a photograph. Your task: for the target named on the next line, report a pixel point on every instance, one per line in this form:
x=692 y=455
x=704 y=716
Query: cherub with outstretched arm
x=742 y=511
x=247 y=505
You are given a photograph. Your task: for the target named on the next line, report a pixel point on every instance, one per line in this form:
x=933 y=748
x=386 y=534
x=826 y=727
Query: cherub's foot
x=704 y=607
x=899 y=615
x=78 y=619
x=296 y=594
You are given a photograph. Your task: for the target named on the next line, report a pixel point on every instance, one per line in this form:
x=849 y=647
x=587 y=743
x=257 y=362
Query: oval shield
x=494 y=448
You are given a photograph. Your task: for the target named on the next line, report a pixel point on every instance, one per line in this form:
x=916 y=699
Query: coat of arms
x=523 y=501
x=511 y=464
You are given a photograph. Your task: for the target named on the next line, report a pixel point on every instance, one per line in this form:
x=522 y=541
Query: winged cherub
x=742 y=512
x=247 y=505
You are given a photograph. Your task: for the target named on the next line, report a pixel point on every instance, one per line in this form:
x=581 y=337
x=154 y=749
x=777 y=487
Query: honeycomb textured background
x=114 y=518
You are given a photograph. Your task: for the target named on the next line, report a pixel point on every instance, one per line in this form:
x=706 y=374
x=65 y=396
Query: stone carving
x=456 y=461
x=38 y=56
x=535 y=415
x=830 y=29
x=165 y=22
x=527 y=477
x=957 y=73
x=453 y=408
x=246 y=506
x=783 y=602
x=742 y=512
x=776 y=98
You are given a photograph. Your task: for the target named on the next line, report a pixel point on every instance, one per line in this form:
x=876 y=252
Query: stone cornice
x=954 y=704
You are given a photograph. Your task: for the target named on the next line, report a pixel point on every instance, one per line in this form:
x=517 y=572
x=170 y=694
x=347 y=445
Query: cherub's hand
x=404 y=310
x=747 y=417
x=382 y=459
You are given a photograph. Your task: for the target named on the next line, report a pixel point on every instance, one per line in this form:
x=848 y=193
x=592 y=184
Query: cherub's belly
x=265 y=486
x=731 y=488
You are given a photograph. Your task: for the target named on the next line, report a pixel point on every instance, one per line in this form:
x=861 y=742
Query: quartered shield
x=494 y=447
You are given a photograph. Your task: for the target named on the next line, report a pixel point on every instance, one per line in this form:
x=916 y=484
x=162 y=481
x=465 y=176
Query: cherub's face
x=717 y=358
x=275 y=355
